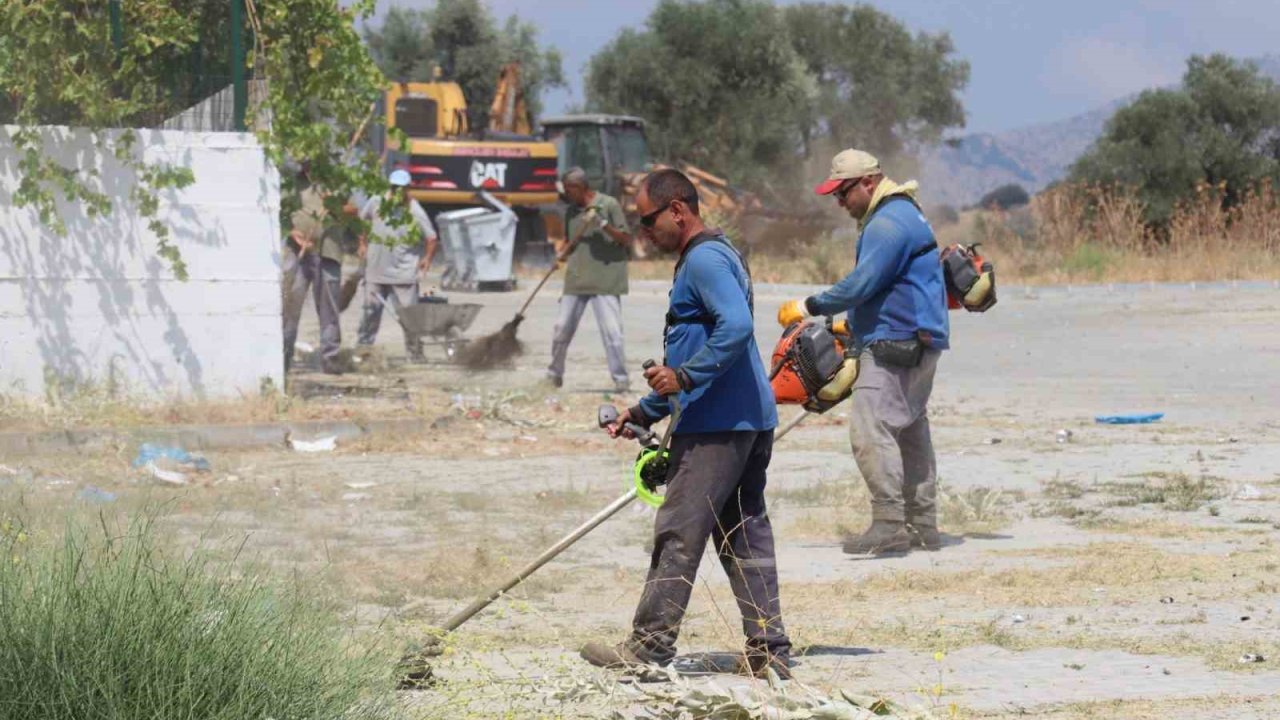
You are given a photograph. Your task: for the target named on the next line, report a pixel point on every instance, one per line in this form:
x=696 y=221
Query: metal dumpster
x=479 y=244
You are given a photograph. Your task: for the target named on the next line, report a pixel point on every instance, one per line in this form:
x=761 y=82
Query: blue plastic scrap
x=1133 y=419
x=150 y=453
x=96 y=496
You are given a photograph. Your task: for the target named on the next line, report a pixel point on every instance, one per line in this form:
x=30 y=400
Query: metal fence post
x=240 y=88
x=117 y=31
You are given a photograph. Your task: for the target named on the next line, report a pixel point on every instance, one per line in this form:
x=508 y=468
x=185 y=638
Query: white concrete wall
x=98 y=306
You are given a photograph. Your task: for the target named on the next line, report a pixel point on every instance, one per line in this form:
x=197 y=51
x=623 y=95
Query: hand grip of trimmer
x=674 y=399
x=607 y=415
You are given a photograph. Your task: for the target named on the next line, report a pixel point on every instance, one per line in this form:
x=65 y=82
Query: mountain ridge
x=1033 y=156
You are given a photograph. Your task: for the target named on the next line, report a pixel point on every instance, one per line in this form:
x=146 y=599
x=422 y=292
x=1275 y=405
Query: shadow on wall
x=112 y=258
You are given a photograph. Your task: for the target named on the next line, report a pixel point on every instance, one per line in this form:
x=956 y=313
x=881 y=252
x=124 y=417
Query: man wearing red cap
x=897 y=307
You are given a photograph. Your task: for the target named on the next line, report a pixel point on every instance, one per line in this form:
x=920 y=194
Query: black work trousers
x=716 y=492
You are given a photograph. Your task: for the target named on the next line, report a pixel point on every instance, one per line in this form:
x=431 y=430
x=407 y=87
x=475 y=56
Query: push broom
x=499 y=347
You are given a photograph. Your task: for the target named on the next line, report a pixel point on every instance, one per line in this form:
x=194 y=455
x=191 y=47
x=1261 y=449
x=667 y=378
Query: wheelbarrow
x=443 y=322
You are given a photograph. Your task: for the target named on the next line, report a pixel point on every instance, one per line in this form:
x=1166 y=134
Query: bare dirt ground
x=1123 y=572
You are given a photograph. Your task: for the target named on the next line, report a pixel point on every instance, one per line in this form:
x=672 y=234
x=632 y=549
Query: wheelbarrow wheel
x=454 y=342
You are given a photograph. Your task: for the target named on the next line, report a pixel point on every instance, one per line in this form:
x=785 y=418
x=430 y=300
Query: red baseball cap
x=848 y=165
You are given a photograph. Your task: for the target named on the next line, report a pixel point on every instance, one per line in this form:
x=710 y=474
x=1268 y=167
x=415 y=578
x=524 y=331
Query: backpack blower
x=970 y=278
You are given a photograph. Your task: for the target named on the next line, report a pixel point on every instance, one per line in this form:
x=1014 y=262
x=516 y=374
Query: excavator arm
x=508 y=113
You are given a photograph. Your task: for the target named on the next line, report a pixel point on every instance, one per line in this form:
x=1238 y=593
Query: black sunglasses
x=844 y=188
x=651 y=218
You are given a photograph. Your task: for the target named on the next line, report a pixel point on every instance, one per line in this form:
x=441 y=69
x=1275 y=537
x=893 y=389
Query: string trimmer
x=499 y=347
x=648 y=475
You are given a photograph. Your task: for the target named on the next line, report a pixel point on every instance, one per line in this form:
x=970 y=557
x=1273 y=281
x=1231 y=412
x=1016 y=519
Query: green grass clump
x=1175 y=491
x=102 y=623
x=1089 y=260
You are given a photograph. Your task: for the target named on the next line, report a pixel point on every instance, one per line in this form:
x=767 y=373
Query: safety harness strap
x=704 y=319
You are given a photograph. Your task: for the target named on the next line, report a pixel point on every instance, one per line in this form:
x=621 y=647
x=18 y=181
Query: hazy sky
x=1031 y=61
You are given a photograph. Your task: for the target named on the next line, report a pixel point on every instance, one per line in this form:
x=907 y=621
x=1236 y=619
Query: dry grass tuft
x=1096 y=234
x=1069 y=234
x=1176 y=491
x=823 y=511
x=96 y=405
x=978 y=509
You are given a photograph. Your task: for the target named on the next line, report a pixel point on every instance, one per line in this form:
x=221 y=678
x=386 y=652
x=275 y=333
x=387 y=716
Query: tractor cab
x=608 y=147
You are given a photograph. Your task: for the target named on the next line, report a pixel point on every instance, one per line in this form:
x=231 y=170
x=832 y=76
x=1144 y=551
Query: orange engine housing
x=804 y=359
x=962 y=268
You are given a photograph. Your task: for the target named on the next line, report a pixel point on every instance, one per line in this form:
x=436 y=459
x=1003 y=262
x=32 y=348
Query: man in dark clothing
x=311 y=261
x=720 y=449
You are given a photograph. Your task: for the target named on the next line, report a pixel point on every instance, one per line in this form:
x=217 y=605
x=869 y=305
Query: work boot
x=884 y=536
x=612 y=657
x=757 y=664
x=925 y=536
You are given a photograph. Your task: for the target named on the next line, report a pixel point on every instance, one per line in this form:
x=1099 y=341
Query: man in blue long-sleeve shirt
x=720 y=449
x=897 y=306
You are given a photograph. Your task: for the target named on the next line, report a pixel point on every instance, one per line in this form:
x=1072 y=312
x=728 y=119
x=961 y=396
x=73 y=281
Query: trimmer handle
x=649 y=364
x=607 y=415
x=674 y=399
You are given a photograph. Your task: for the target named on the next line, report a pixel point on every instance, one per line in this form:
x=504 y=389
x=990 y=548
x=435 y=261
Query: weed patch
x=101 y=623
x=1064 y=489
x=977 y=509
x=1174 y=491
x=1068 y=511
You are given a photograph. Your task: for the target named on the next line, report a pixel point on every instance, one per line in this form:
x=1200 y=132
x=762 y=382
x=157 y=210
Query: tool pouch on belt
x=898 y=353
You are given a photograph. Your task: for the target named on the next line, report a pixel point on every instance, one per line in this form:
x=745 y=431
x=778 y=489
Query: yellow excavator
x=449 y=164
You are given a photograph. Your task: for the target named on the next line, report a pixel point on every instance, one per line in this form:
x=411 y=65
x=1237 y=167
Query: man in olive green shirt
x=312 y=261
x=596 y=275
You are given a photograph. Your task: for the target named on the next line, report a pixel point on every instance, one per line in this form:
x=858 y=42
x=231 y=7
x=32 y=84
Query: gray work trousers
x=322 y=276
x=398 y=296
x=716 y=492
x=889 y=431
x=608 y=312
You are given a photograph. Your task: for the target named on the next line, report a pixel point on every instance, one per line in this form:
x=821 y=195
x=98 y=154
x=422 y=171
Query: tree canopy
x=747 y=88
x=463 y=40
x=879 y=87
x=1005 y=197
x=61 y=62
x=1221 y=127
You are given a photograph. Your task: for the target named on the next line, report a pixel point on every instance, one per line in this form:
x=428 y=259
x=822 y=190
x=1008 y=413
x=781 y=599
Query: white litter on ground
x=327 y=444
